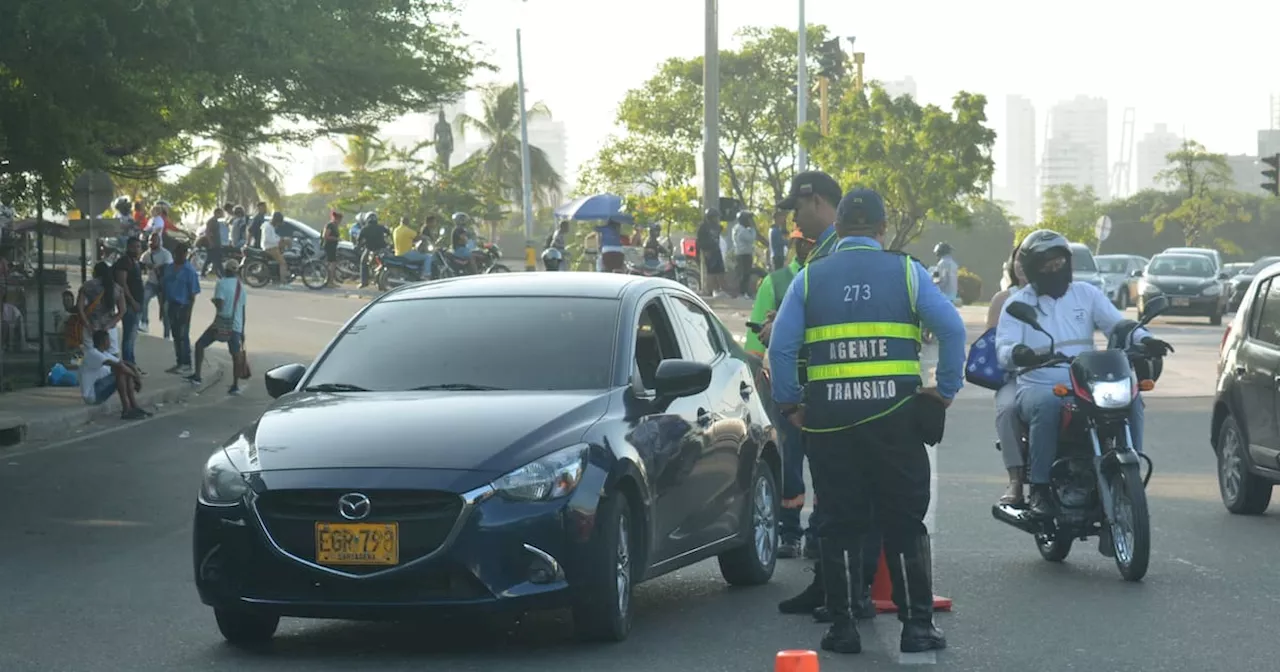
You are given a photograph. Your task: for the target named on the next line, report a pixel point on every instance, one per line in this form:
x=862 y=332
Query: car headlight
x=555 y=475
x=223 y=483
x=1112 y=393
x=1212 y=290
x=1147 y=288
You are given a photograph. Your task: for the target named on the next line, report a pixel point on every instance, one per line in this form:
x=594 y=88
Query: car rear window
x=1187 y=265
x=512 y=343
x=1111 y=264
x=1082 y=260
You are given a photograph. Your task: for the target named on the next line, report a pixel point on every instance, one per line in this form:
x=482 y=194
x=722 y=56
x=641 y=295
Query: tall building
x=1246 y=174
x=1152 y=151
x=1020 y=158
x=1076 y=151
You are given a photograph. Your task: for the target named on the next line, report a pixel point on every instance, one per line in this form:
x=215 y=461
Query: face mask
x=1054 y=284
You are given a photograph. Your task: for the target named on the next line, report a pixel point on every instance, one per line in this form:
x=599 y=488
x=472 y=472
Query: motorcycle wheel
x=348 y=270
x=255 y=274
x=1054 y=545
x=498 y=268
x=315 y=274
x=692 y=280
x=1131 y=529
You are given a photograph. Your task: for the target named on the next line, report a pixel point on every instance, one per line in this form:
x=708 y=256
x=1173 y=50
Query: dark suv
x=1245 y=433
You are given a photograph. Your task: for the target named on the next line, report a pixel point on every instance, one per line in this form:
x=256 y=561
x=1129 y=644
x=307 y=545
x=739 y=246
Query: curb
x=63 y=425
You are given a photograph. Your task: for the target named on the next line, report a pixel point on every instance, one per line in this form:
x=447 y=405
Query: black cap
x=812 y=182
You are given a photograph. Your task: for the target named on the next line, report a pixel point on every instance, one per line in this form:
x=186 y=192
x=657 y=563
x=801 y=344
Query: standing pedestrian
x=155 y=262
x=213 y=242
x=239 y=227
x=744 y=248
x=255 y=225
x=181 y=285
x=947 y=275
x=778 y=240
x=128 y=275
x=709 y=253
x=228 y=322
x=332 y=235
x=865 y=411
x=274 y=245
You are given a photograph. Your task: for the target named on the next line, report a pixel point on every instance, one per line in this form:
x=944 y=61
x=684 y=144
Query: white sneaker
x=186 y=371
x=143 y=327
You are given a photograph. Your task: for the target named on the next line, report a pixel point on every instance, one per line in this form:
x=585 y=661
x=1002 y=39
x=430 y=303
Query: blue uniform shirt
x=936 y=314
x=181 y=283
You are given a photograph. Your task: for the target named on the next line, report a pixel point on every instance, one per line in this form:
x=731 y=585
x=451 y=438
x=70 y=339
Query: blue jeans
x=789 y=525
x=422 y=258
x=180 y=327
x=128 y=336
x=1041 y=410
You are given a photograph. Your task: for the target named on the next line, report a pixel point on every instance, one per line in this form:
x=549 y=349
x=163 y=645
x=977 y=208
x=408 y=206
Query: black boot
x=811 y=598
x=1040 y=503
x=842 y=572
x=911 y=570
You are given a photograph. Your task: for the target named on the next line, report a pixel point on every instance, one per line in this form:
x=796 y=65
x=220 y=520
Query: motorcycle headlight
x=1212 y=290
x=1112 y=393
x=223 y=484
x=555 y=475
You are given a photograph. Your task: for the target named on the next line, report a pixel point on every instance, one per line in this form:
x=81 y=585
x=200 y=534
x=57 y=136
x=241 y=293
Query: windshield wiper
x=335 y=387
x=460 y=387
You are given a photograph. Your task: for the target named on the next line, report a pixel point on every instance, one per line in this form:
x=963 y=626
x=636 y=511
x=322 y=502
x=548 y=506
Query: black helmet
x=461 y=219
x=655 y=228
x=1036 y=249
x=745 y=218
x=942 y=249
x=711 y=215
x=370 y=218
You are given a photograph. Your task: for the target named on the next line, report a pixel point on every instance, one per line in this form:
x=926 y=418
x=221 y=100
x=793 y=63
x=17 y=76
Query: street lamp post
x=802 y=86
x=525 y=169
x=711 y=110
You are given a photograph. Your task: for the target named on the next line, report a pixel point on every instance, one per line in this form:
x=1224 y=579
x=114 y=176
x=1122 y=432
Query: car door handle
x=1240 y=371
x=745 y=389
x=704 y=417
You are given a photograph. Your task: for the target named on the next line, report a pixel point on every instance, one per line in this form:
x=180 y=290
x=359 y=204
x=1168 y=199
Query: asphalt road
x=96 y=574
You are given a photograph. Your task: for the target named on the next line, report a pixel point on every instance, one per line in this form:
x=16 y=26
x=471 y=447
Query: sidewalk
x=51 y=413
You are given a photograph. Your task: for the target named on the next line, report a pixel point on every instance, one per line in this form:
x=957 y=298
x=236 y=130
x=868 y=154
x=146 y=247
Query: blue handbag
x=981 y=367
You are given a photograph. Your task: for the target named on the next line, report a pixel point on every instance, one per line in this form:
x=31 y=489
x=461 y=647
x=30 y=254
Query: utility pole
x=526 y=170
x=802 y=86
x=711 y=110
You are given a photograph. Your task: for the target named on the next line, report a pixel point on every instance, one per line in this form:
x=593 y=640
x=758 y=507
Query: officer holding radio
x=866 y=415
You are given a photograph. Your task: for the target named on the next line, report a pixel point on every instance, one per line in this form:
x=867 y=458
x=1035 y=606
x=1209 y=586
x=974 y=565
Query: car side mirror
x=681 y=378
x=1024 y=313
x=283 y=379
x=1136 y=274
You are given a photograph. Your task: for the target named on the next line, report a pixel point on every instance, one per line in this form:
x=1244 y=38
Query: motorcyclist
x=653 y=247
x=462 y=248
x=946 y=274
x=1070 y=311
x=373 y=238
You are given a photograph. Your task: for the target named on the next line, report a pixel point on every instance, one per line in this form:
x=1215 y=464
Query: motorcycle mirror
x=1152 y=307
x=1024 y=313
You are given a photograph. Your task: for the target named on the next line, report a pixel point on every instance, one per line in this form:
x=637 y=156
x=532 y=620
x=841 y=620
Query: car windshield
x=1185 y=265
x=1111 y=264
x=1082 y=261
x=475 y=342
x=1260 y=264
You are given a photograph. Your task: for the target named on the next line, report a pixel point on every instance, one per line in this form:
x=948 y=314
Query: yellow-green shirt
x=404 y=237
x=765 y=302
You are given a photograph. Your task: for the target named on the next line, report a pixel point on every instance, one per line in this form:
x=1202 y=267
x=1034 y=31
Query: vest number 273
x=854 y=293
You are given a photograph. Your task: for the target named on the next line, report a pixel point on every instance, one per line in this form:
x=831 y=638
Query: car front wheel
x=602 y=599
x=752 y=563
x=242 y=628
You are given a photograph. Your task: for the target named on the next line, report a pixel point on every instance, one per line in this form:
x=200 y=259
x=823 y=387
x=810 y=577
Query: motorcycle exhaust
x=1018 y=518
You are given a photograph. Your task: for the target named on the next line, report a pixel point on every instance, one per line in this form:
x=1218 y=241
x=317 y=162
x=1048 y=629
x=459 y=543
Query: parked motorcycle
x=489 y=257
x=686 y=271
x=391 y=271
x=1097 y=478
x=259 y=270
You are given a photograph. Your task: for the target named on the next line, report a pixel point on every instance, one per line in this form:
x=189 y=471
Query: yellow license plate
x=358 y=543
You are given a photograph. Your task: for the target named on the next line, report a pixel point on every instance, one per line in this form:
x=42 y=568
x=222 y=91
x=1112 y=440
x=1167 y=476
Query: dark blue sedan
x=500 y=442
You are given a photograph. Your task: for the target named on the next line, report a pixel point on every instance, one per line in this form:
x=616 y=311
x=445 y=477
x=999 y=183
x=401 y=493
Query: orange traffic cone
x=882 y=592
x=796 y=661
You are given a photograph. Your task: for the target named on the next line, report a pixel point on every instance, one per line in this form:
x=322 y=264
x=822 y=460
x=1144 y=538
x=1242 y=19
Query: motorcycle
x=259 y=270
x=489 y=257
x=686 y=271
x=1097 y=481
x=391 y=271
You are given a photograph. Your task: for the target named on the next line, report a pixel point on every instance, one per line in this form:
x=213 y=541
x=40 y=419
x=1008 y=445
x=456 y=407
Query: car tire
x=1122 y=301
x=1243 y=492
x=602 y=598
x=242 y=628
x=752 y=563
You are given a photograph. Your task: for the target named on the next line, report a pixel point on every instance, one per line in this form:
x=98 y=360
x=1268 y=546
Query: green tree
x=84 y=84
x=499 y=124
x=1203 y=180
x=928 y=163
x=1071 y=211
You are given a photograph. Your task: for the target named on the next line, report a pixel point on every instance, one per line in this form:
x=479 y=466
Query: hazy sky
x=1208 y=68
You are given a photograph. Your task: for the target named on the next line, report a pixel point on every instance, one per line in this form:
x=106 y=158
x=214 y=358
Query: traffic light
x=1272 y=174
x=831 y=59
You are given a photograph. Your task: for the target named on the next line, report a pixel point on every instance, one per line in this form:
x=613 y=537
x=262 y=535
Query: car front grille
x=425 y=518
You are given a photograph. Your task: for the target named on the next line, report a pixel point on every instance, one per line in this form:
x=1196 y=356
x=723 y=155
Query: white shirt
x=270 y=238
x=92 y=369
x=1071 y=319
x=156 y=227
x=153 y=260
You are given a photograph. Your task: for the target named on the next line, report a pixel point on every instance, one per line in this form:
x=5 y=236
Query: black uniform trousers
x=872 y=477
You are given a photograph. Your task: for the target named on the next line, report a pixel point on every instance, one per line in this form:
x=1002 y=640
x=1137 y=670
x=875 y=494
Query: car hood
x=1188 y=280
x=471 y=431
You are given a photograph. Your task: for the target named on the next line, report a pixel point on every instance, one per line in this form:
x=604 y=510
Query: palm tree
x=499 y=123
x=360 y=155
x=246 y=179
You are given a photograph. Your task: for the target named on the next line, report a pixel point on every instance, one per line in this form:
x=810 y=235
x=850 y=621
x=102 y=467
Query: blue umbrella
x=599 y=207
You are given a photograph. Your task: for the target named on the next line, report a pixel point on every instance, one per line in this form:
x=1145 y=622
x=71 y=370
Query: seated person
x=103 y=374
x=462 y=252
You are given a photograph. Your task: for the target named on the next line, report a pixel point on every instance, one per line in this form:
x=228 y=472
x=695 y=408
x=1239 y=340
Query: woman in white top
x=1009 y=429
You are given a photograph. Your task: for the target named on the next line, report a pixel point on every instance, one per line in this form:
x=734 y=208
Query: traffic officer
x=813 y=198
x=858 y=312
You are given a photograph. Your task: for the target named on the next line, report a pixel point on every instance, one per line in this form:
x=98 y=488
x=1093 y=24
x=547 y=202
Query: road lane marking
x=319 y=321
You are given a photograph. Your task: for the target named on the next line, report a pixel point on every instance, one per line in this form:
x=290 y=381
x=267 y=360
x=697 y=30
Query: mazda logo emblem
x=354 y=506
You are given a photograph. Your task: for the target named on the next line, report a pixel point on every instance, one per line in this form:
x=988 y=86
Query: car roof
x=1178 y=255
x=566 y=284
